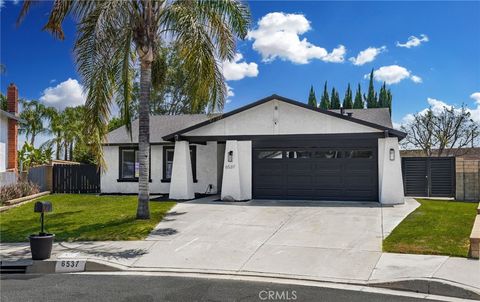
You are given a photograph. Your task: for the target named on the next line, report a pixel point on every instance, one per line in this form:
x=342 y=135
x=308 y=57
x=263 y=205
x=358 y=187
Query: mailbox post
x=41 y=244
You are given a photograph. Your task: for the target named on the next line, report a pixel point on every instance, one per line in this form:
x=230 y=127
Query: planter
x=41 y=246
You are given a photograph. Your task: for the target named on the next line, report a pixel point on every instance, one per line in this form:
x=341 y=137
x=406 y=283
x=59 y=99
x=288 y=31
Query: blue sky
x=290 y=48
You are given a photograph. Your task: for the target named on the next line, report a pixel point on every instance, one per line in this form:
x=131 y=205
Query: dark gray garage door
x=315 y=173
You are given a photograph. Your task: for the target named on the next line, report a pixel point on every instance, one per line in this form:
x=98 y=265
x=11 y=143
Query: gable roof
x=10 y=115
x=379 y=116
x=160 y=125
x=375 y=119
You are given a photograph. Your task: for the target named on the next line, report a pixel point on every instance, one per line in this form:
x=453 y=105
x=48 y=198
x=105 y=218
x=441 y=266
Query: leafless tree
x=447 y=132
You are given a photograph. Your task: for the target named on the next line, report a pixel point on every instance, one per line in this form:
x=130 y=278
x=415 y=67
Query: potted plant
x=41 y=243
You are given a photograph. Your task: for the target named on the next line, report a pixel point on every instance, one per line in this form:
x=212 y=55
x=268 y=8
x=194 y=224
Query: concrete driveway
x=331 y=240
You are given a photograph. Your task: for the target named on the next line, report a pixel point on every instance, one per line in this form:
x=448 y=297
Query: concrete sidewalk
x=388 y=268
x=333 y=242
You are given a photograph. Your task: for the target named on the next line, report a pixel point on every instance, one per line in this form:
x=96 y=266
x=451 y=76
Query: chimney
x=342 y=111
x=12 y=132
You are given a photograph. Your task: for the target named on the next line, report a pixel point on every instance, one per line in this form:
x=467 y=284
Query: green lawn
x=437 y=227
x=78 y=217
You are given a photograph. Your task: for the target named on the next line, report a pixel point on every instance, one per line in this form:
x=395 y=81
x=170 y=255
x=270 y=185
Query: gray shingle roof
x=379 y=116
x=160 y=125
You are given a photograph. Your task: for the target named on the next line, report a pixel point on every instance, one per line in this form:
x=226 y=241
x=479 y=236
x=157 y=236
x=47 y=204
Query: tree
x=312 y=100
x=3 y=102
x=447 y=131
x=325 y=100
x=335 y=104
x=382 y=97
x=358 y=104
x=114 y=37
x=29 y=156
x=348 y=100
x=33 y=116
x=371 y=98
x=389 y=101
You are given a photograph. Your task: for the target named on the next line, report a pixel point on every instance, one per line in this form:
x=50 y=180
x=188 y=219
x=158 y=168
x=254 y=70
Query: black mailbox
x=43 y=207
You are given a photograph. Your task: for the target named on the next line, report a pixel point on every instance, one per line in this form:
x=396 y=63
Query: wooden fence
x=76 y=179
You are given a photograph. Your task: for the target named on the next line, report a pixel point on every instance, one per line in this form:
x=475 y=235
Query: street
x=80 y=287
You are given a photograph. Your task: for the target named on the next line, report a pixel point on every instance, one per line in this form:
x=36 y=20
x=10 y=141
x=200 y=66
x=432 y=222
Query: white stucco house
x=274 y=148
x=9 y=120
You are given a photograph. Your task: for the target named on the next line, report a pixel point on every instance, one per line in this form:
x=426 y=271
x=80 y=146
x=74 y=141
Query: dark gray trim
x=290 y=137
x=394 y=132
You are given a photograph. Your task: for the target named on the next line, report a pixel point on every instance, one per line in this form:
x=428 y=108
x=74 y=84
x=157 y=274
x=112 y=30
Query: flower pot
x=41 y=246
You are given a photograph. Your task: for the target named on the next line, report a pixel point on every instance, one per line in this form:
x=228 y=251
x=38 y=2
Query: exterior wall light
x=230 y=156
x=392 y=154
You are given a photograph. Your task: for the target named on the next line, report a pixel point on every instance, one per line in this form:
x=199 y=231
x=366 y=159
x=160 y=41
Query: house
x=9 y=137
x=274 y=148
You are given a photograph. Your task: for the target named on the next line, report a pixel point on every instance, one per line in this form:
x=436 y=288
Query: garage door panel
x=318 y=173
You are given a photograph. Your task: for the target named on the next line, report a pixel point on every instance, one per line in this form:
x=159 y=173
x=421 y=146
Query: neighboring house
x=9 y=137
x=275 y=148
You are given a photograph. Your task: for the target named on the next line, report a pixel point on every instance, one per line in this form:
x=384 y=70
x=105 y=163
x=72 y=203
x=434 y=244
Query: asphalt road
x=73 y=288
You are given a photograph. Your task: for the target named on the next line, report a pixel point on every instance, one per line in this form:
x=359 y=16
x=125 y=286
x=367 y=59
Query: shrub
x=20 y=189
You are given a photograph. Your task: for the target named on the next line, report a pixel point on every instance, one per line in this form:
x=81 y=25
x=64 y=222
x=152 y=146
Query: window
x=168 y=153
x=328 y=154
x=299 y=154
x=270 y=154
x=129 y=166
x=359 y=154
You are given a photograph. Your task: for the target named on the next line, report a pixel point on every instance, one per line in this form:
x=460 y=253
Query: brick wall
x=467 y=179
x=12 y=143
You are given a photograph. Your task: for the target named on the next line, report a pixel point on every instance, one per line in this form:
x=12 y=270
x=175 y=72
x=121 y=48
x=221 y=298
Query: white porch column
x=181 y=185
x=237 y=171
x=390 y=182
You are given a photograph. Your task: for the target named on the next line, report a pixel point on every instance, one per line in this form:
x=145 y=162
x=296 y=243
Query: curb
x=431 y=286
x=427 y=286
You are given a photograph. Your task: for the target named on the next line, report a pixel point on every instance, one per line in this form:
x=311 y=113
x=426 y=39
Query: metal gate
x=76 y=179
x=429 y=176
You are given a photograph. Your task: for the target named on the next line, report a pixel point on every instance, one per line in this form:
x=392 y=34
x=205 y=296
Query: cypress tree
x=335 y=103
x=389 y=101
x=325 y=101
x=382 y=97
x=371 y=98
x=348 y=101
x=312 y=100
x=358 y=104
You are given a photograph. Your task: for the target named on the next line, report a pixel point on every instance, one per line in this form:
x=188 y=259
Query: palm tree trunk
x=58 y=147
x=144 y=139
x=71 y=151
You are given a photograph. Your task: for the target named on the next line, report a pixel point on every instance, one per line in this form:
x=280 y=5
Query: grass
x=437 y=227
x=78 y=217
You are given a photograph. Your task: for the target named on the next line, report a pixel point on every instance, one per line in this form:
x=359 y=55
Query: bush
x=20 y=189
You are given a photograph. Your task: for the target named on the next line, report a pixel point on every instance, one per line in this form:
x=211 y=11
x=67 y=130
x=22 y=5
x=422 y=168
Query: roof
x=377 y=121
x=160 y=125
x=9 y=115
x=379 y=116
x=163 y=128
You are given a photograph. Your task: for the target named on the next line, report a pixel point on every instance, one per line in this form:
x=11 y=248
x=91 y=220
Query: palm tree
x=114 y=37
x=33 y=115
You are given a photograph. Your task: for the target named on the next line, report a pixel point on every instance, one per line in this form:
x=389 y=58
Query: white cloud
x=2 y=3
x=237 y=70
x=367 y=55
x=52 y=81
x=438 y=106
x=278 y=36
x=416 y=79
x=230 y=94
x=476 y=97
x=393 y=74
x=66 y=94
x=413 y=41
